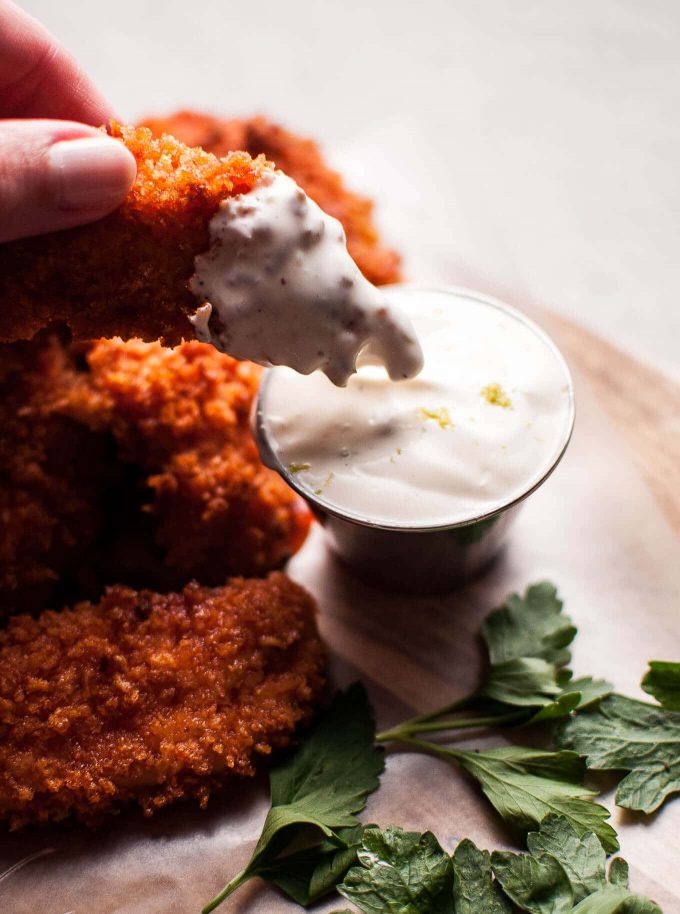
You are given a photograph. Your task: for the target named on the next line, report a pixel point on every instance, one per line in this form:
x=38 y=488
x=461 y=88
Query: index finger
x=39 y=78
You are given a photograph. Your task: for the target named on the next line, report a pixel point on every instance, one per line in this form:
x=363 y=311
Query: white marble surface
x=522 y=146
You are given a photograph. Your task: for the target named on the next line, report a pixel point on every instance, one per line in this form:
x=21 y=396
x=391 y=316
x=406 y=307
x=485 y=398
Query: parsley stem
x=437 y=726
x=230 y=887
x=460 y=705
x=432 y=748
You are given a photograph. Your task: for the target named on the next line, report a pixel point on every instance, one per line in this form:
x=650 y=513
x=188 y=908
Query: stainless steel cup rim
x=270 y=457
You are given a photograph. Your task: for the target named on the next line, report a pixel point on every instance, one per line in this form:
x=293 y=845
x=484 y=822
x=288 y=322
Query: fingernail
x=91 y=172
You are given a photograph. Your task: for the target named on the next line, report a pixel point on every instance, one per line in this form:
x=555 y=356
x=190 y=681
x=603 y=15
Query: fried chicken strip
x=127 y=274
x=149 y=698
x=132 y=463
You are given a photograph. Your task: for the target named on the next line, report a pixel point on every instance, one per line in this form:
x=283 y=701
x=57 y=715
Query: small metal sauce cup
x=408 y=559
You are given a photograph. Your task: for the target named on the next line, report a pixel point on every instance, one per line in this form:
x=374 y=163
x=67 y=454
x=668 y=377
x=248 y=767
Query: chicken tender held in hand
x=147 y=698
x=127 y=274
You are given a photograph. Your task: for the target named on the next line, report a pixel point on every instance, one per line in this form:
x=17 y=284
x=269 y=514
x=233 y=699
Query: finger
x=57 y=174
x=39 y=78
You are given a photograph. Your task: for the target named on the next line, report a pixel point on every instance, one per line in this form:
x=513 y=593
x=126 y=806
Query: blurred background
x=526 y=148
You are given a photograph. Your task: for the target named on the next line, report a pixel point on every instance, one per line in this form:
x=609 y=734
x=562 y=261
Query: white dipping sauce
x=484 y=421
x=281 y=289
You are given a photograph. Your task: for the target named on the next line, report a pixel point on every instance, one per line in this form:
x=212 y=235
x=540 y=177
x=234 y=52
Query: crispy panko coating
x=126 y=274
x=301 y=159
x=128 y=462
x=182 y=416
x=148 y=698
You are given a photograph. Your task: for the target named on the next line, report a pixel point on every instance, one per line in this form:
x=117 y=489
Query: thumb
x=57 y=174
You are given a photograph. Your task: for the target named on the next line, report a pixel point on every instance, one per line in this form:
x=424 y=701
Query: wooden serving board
x=643 y=405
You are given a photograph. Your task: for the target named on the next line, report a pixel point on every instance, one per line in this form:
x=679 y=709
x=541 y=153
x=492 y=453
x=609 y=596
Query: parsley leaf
x=565 y=873
x=530 y=626
x=400 y=873
x=474 y=888
x=526 y=785
x=309 y=874
x=614 y=899
x=528 y=640
x=523 y=681
x=662 y=680
x=320 y=788
x=625 y=734
x=591 y=690
x=537 y=885
x=582 y=857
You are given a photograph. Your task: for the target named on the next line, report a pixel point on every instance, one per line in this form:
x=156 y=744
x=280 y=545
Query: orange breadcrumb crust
x=148 y=698
x=126 y=274
x=182 y=416
x=301 y=159
x=128 y=462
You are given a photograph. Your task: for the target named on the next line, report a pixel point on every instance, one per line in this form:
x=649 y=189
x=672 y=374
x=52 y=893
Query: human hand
x=56 y=169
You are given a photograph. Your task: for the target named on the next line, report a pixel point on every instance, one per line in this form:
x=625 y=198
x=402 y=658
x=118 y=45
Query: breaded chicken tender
x=148 y=698
x=127 y=274
x=128 y=462
x=300 y=159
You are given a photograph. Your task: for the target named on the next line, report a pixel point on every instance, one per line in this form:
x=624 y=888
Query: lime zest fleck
x=298 y=467
x=496 y=396
x=441 y=416
x=327 y=481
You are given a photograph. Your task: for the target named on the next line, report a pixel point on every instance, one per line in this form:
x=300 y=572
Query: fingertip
x=90 y=173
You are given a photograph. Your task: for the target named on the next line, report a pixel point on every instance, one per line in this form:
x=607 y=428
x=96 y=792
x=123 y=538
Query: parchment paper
x=593 y=529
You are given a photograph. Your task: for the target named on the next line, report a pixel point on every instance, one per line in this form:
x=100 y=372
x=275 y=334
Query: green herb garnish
x=474 y=889
x=400 y=873
x=319 y=790
x=528 y=681
x=662 y=680
x=565 y=873
x=327 y=481
x=310 y=874
x=627 y=735
x=525 y=785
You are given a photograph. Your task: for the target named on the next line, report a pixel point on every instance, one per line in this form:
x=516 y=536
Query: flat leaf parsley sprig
x=528 y=682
